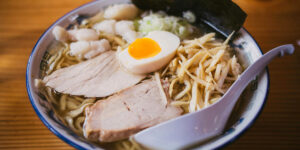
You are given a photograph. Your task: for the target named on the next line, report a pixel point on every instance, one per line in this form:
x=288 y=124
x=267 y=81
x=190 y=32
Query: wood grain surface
x=271 y=22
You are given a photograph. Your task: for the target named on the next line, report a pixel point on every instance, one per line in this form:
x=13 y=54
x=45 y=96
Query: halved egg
x=150 y=53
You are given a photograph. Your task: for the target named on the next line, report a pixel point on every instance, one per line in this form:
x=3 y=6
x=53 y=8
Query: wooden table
x=271 y=22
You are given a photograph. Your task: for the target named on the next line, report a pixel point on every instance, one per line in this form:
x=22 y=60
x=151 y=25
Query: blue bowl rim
x=45 y=122
x=75 y=145
x=262 y=107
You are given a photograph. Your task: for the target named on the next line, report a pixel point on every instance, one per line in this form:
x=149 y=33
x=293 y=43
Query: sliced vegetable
x=162 y=22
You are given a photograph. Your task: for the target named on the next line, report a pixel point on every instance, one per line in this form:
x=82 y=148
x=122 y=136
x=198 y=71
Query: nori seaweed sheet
x=222 y=16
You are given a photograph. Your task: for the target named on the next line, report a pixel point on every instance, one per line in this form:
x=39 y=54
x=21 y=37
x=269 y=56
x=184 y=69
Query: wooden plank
x=271 y=22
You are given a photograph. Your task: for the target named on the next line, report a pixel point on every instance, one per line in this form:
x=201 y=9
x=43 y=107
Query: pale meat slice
x=97 y=77
x=127 y=113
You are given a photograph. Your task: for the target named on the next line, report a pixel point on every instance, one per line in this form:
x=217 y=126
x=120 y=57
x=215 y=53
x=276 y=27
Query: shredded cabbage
x=160 y=21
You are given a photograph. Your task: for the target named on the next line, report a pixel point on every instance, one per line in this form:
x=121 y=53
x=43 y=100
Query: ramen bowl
x=243 y=116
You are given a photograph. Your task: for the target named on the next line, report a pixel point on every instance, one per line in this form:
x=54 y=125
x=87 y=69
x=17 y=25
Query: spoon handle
x=253 y=70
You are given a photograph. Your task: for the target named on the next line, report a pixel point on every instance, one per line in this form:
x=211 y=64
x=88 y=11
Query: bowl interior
x=248 y=107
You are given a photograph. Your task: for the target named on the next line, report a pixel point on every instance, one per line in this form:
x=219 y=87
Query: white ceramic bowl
x=249 y=107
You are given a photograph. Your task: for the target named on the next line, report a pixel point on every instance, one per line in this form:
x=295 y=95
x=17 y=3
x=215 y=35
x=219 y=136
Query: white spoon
x=199 y=126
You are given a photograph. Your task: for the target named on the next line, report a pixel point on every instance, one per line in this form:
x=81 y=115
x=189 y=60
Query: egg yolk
x=143 y=48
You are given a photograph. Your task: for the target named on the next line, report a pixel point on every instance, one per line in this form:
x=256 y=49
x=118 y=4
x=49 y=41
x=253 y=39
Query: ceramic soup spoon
x=204 y=124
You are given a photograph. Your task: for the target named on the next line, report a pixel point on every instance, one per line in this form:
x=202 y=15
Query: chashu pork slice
x=128 y=112
x=97 y=77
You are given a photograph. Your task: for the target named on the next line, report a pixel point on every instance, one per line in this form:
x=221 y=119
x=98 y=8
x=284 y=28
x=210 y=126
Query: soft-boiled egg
x=149 y=53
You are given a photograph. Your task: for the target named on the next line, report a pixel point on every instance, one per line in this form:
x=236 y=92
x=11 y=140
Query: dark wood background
x=271 y=22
